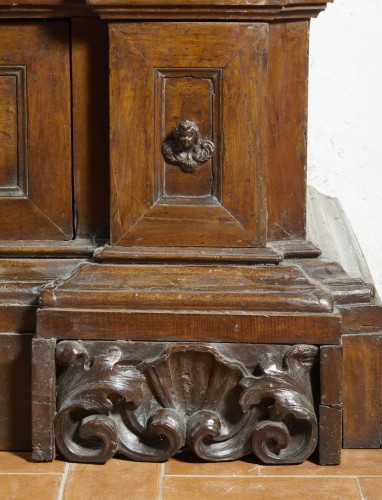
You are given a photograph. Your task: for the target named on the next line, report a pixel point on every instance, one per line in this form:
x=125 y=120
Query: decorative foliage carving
x=287 y=429
x=187 y=149
x=188 y=396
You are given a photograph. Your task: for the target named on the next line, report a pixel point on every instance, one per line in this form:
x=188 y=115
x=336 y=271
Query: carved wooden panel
x=210 y=74
x=35 y=131
x=150 y=400
x=195 y=94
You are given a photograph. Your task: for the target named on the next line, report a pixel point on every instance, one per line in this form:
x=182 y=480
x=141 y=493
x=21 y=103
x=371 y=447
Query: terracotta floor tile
x=117 y=479
x=371 y=487
x=266 y=488
x=22 y=462
x=27 y=486
x=353 y=463
x=186 y=465
x=116 y=466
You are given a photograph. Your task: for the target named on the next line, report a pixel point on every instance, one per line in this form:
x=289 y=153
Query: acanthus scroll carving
x=189 y=396
x=187 y=149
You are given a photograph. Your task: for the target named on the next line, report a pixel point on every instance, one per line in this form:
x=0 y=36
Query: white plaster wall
x=345 y=117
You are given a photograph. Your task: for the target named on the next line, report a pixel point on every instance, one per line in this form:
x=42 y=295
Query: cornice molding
x=219 y=10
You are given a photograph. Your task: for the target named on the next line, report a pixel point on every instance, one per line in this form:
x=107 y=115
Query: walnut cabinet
x=166 y=280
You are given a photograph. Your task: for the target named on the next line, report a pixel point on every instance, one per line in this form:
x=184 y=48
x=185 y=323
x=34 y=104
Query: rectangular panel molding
x=214 y=76
x=13 y=122
x=193 y=94
x=35 y=131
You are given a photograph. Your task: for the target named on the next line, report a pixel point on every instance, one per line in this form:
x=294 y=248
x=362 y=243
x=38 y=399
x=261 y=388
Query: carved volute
x=191 y=396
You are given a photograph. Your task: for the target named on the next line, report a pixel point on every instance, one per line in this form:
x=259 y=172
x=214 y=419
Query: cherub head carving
x=186 y=149
x=186 y=134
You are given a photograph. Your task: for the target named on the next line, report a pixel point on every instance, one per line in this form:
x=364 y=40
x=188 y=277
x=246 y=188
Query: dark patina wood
x=331 y=404
x=192 y=253
x=231 y=214
x=90 y=115
x=362 y=390
x=288 y=94
x=265 y=255
x=43 y=399
x=21 y=282
x=35 y=75
x=226 y=303
x=15 y=391
x=222 y=401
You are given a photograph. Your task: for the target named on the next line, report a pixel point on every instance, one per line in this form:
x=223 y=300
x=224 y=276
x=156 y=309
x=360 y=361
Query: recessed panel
x=35 y=131
x=13 y=174
x=192 y=95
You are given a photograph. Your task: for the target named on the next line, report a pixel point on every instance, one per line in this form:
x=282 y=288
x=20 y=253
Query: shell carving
x=188 y=396
x=192 y=381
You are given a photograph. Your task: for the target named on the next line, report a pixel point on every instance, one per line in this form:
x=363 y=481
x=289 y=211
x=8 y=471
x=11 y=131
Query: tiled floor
x=358 y=477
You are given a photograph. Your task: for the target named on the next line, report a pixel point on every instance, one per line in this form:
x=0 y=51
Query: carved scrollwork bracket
x=186 y=149
x=189 y=396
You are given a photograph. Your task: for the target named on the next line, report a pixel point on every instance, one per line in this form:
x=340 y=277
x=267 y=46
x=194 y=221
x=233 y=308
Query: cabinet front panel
x=35 y=131
x=188 y=134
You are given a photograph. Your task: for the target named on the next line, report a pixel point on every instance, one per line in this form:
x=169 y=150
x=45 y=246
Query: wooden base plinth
x=151 y=400
x=142 y=370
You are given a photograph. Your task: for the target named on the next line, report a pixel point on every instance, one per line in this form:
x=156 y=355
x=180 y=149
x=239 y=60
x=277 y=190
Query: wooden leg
x=330 y=410
x=43 y=399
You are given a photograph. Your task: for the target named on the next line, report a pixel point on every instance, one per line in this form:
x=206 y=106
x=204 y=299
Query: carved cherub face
x=186 y=133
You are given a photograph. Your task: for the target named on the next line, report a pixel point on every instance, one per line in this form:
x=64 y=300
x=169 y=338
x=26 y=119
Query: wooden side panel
x=362 y=390
x=43 y=399
x=330 y=409
x=35 y=162
x=147 y=57
x=15 y=392
x=90 y=127
x=245 y=138
x=288 y=95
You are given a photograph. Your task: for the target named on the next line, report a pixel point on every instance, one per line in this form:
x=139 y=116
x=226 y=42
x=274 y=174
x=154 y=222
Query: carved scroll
x=194 y=396
x=187 y=149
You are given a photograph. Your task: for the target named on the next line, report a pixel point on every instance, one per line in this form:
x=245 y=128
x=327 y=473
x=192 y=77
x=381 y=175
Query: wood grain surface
x=331 y=403
x=89 y=56
x=234 y=218
x=15 y=391
x=362 y=390
x=43 y=399
x=43 y=50
x=288 y=98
